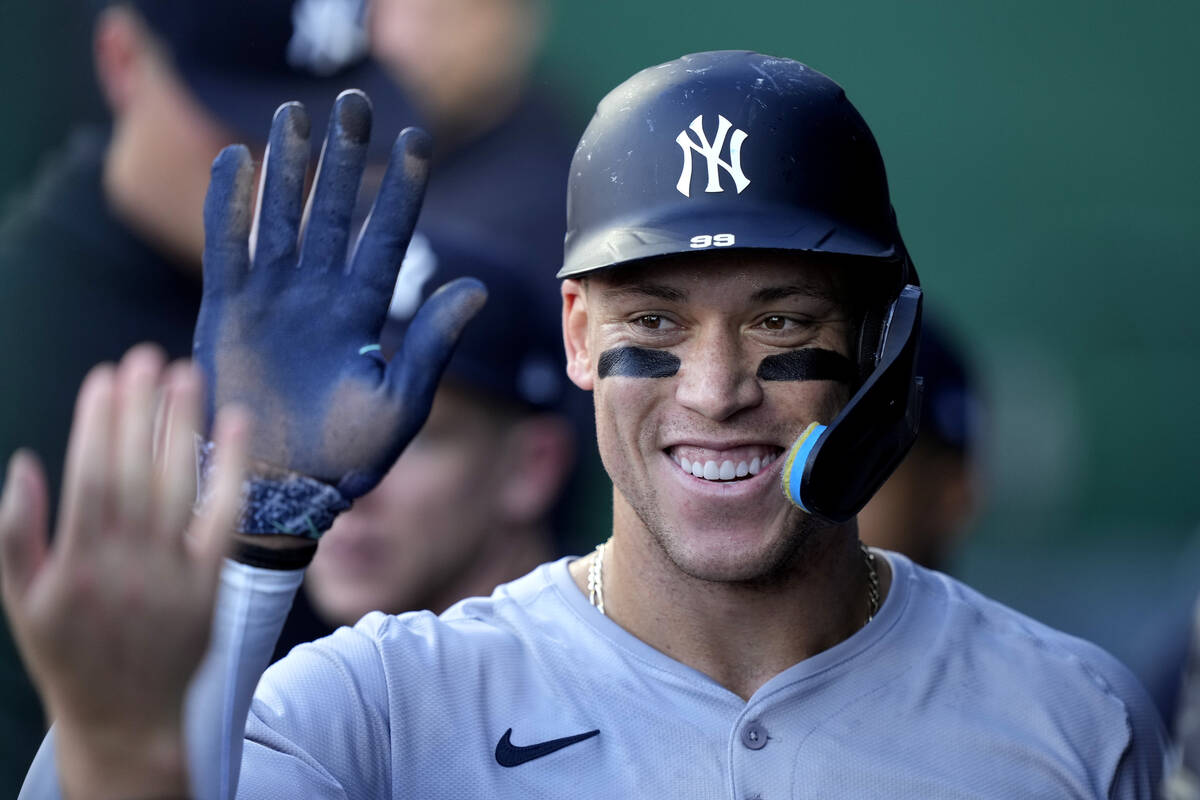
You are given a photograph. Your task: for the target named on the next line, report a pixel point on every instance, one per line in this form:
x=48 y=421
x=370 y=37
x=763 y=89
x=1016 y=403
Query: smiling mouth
x=735 y=465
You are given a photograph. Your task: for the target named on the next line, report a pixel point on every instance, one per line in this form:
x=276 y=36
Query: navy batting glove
x=289 y=326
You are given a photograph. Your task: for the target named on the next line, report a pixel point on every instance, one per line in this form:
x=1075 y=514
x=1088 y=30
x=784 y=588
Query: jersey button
x=754 y=735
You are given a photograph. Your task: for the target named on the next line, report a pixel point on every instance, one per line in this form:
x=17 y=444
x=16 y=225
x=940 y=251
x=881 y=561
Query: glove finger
x=331 y=204
x=389 y=227
x=414 y=373
x=227 y=215
x=281 y=190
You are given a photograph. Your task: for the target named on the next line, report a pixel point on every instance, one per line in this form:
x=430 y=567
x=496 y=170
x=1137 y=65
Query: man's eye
x=775 y=322
x=653 y=322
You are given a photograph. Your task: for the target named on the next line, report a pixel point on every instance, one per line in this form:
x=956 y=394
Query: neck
x=739 y=634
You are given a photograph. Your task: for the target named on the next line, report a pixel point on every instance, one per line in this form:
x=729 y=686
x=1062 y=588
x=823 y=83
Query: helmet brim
x=761 y=229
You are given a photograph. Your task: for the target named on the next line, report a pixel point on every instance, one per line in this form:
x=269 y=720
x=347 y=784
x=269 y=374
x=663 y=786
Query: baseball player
x=737 y=297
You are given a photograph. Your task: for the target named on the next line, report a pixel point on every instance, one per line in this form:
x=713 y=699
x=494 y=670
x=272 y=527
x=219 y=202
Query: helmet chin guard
x=831 y=472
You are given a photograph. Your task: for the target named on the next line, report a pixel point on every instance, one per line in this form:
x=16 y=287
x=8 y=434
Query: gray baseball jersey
x=533 y=693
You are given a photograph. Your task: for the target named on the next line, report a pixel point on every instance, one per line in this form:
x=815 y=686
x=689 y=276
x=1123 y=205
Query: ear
x=118 y=46
x=575 y=330
x=539 y=451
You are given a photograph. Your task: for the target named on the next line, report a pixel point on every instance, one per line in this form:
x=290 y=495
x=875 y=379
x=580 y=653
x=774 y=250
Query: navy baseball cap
x=512 y=350
x=243 y=59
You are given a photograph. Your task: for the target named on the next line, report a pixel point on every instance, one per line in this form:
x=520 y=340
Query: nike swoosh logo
x=510 y=755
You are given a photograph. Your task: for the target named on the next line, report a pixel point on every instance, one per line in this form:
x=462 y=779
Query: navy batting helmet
x=739 y=150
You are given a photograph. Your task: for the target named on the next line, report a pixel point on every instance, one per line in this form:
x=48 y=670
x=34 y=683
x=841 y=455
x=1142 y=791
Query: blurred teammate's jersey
x=77 y=287
x=1184 y=782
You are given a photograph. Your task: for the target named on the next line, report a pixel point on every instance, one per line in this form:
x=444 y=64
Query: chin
x=734 y=553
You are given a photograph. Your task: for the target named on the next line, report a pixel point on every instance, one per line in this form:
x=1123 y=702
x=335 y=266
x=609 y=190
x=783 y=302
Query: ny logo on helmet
x=712 y=152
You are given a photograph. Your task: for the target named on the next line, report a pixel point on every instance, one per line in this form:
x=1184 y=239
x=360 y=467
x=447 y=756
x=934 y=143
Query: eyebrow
x=767 y=294
x=655 y=290
x=772 y=293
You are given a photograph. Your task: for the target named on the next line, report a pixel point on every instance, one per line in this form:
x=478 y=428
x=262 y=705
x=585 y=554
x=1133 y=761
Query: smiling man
x=705 y=369
x=737 y=297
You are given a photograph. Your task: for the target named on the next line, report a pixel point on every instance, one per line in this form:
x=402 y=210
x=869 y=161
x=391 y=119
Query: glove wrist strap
x=276 y=501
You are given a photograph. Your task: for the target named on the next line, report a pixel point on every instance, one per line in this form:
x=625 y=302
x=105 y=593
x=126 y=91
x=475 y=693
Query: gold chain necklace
x=595 y=578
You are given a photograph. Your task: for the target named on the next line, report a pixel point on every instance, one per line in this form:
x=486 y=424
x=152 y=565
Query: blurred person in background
x=502 y=141
x=1183 y=783
x=467 y=506
x=105 y=250
x=924 y=508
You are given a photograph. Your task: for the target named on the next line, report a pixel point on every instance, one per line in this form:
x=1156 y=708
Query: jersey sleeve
x=319 y=725
x=252 y=604
x=1137 y=772
x=1146 y=759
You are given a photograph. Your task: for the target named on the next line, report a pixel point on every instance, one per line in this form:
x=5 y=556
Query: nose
x=716 y=378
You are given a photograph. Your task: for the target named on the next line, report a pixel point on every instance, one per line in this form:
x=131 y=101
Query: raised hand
x=113 y=619
x=289 y=324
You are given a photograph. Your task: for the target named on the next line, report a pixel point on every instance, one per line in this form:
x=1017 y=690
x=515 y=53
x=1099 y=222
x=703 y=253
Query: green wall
x=46 y=83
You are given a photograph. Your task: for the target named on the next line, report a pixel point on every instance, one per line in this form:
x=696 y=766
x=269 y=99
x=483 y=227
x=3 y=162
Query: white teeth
x=725 y=470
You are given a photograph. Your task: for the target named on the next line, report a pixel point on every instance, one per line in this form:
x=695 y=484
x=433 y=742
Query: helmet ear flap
x=870 y=338
x=871 y=309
